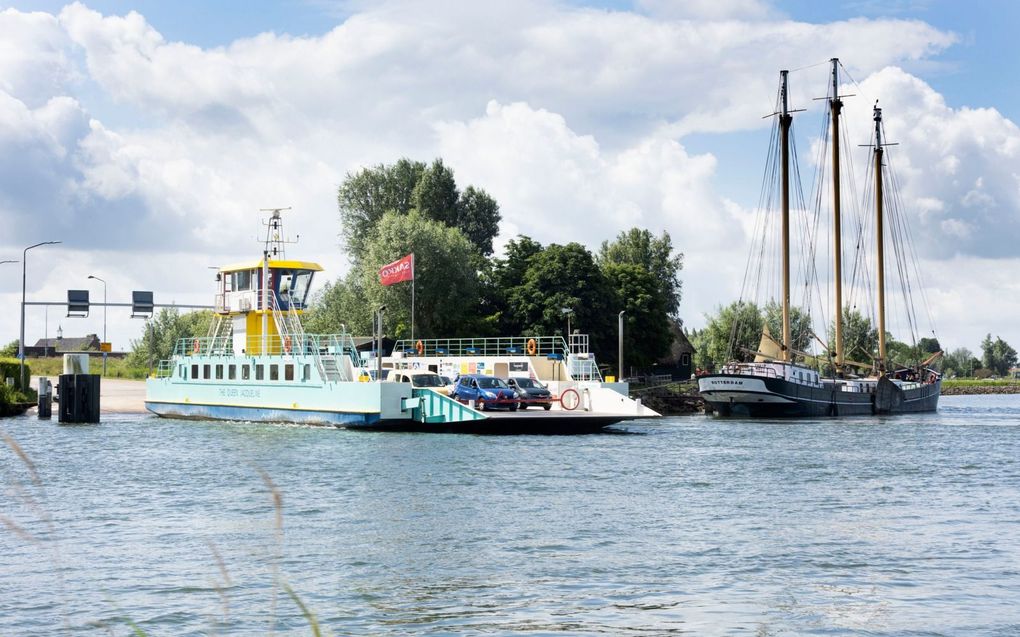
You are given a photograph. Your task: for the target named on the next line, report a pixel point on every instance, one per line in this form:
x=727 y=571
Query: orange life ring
x=196 y=347
x=532 y=347
x=419 y=347
x=286 y=344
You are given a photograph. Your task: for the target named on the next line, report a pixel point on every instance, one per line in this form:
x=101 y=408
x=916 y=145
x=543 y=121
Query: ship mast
x=835 y=104
x=879 y=233
x=785 y=119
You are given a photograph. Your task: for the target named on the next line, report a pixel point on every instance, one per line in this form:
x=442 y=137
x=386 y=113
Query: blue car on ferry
x=486 y=391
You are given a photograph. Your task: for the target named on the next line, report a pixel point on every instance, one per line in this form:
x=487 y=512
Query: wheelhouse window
x=260 y=372
x=194 y=371
x=301 y=281
x=245 y=372
x=219 y=372
x=274 y=372
x=288 y=372
x=242 y=280
x=307 y=375
x=205 y=372
x=232 y=372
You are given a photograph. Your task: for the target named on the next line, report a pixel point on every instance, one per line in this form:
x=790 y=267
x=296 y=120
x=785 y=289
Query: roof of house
x=70 y=344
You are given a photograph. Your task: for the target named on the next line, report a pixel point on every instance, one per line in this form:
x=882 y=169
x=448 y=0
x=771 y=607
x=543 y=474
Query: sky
x=145 y=136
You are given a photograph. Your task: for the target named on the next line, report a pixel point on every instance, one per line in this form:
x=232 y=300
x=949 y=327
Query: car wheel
x=547 y=407
x=522 y=405
x=513 y=407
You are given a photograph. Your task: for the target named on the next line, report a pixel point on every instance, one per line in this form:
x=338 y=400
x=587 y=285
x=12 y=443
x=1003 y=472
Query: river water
x=875 y=526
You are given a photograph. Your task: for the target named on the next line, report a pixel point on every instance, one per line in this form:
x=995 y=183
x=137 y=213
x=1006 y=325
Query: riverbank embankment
x=965 y=387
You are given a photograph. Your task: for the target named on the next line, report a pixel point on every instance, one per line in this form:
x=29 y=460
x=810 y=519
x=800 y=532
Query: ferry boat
x=258 y=364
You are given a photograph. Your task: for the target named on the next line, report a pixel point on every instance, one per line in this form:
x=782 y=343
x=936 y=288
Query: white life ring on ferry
x=532 y=347
x=286 y=344
x=196 y=347
x=572 y=403
x=419 y=347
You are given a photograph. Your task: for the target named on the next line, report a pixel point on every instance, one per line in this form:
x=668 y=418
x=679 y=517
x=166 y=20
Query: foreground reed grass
x=32 y=497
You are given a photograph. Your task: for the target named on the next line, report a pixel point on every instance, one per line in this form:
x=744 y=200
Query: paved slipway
x=117 y=395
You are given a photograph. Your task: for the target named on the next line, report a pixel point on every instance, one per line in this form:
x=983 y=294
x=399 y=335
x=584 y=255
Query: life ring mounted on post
x=419 y=347
x=570 y=399
x=532 y=347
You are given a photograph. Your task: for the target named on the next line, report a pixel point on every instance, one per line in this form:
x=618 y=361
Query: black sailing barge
x=774 y=385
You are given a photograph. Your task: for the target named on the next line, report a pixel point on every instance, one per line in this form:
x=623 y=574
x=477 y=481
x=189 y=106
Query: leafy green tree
x=478 y=218
x=728 y=335
x=900 y=354
x=638 y=246
x=860 y=338
x=498 y=277
x=646 y=324
x=9 y=350
x=446 y=282
x=163 y=331
x=929 y=345
x=800 y=325
x=960 y=362
x=365 y=196
x=340 y=306
x=564 y=277
x=997 y=355
x=435 y=195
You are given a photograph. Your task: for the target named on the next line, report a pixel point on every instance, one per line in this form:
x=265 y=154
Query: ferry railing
x=165 y=369
x=204 y=346
x=549 y=346
x=296 y=345
x=583 y=367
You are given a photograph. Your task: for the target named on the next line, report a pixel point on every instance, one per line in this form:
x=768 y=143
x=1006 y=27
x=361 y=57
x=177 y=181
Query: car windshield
x=486 y=382
x=426 y=380
x=527 y=383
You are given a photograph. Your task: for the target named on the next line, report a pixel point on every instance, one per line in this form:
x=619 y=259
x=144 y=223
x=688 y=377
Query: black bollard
x=79 y=398
x=45 y=399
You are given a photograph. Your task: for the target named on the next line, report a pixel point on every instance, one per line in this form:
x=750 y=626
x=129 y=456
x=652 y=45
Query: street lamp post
x=21 y=339
x=378 y=342
x=104 y=319
x=620 y=377
x=568 y=311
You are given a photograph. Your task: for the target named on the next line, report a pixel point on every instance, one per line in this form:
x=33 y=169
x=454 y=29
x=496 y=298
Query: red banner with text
x=399 y=270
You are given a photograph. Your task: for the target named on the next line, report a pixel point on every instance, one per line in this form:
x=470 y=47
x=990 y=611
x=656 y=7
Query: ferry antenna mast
x=275 y=240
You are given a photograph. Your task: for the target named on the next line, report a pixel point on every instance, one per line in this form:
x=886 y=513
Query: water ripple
x=886 y=526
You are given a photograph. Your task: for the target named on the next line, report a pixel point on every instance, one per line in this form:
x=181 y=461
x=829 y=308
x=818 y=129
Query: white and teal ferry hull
x=341 y=403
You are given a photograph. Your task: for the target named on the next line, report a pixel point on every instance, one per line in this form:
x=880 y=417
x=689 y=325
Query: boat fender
x=419 y=347
x=532 y=347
